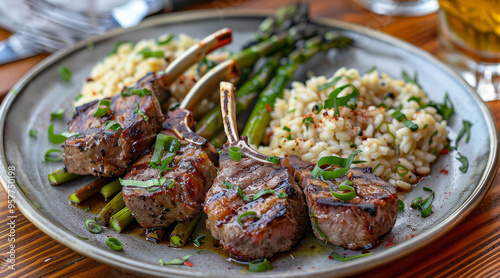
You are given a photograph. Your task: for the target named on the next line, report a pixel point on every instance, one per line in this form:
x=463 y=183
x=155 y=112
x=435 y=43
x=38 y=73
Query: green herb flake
x=432 y=136
x=425 y=206
x=316 y=227
x=33 y=133
x=307 y=121
x=348 y=100
x=465 y=163
x=401 y=205
x=166 y=40
x=260 y=265
x=198 y=241
x=249 y=213
x=65 y=73
x=178 y=261
x=118 y=44
x=374 y=68
x=464 y=131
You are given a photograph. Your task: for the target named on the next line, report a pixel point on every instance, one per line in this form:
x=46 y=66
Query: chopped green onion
x=316 y=226
x=465 y=163
x=264 y=192
x=102 y=107
x=53 y=159
x=384 y=105
x=291 y=111
x=432 y=136
x=404 y=172
x=286 y=129
x=317 y=108
x=349 y=100
x=344 y=163
x=346 y=185
x=446 y=109
x=260 y=265
x=329 y=84
x=237 y=188
x=177 y=261
x=401 y=205
x=171 y=184
x=165 y=41
x=197 y=241
x=146 y=184
x=465 y=130
x=250 y=213
x=142 y=92
x=65 y=73
x=210 y=64
x=411 y=125
x=402 y=118
x=88 y=208
x=374 y=169
x=33 y=132
x=147 y=52
x=78 y=97
x=59 y=138
x=114 y=244
x=13 y=91
x=307 y=121
x=90 y=45
x=273 y=159
x=139 y=112
x=235 y=153
x=92 y=226
x=81 y=237
x=425 y=206
x=58 y=114
x=166 y=143
x=114 y=126
x=374 y=68
x=128 y=91
x=413 y=80
x=341 y=258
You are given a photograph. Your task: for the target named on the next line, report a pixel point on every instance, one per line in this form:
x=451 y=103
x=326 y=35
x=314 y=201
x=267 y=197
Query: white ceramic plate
x=40 y=92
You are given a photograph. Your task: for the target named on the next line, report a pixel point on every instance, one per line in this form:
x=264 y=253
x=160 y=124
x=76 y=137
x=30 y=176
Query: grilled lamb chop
x=357 y=223
x=192 y=168
x=278 y=219
x=106 y=153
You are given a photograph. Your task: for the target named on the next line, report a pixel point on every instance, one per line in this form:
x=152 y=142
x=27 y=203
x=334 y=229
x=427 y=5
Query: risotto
x=127 y=64
x=397 y=151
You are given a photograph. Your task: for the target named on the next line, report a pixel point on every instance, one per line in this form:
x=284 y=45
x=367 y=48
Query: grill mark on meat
x=282 y=222
x=357 y=223
x=324 y=203
x=192 y=170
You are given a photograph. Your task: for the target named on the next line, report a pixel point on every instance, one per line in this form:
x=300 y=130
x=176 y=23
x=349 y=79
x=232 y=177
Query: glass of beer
x=469 y=40
x=399 y=7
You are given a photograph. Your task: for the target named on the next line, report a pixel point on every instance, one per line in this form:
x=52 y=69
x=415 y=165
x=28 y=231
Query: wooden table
x=472 y=249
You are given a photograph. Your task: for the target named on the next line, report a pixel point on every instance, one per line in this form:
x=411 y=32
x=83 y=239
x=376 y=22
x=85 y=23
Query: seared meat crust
x=107 y=153
x=357 y=223
x=282 y=222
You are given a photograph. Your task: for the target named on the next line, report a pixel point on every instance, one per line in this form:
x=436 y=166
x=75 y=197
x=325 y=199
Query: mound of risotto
x=128 y=62
x=398 y=134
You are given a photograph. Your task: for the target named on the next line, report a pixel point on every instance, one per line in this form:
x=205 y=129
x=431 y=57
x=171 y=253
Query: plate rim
x=353 y=267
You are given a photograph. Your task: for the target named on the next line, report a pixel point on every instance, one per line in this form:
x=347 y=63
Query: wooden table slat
x=472 y=249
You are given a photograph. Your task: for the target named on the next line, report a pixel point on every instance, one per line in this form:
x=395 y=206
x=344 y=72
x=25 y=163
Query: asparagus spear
x=284 y=18
x=121 y=220
x=60 y=176
x=212 y=121
x=111 y=188
x=183 y=230
x=112 y=207
x=87 y=191
x=260 y=117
